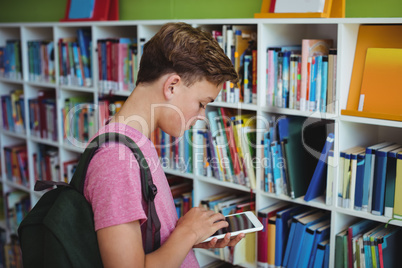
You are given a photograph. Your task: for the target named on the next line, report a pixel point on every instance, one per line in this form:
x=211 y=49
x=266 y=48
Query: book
x=398 y=188
x=368 y=179
x=307 y=246
x=381 y=62
x=262 y=237
x=331 y=173
x=353 y=230
x=390 y=182
x=340 y=249
x=317 y=183
x=292 y=232
x=379 y=179
x=331 y=92
x=299 y=236
x=358 y=197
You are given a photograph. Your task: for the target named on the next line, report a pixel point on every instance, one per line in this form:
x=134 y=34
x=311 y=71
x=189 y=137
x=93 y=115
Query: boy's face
x=188 y=105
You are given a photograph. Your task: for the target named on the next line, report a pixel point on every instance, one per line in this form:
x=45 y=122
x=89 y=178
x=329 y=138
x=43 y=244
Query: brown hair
x=189 y=52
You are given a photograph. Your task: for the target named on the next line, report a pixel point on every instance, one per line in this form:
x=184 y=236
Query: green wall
x=53 y=10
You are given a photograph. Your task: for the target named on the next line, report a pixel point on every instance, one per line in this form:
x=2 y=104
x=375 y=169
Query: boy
x=182 y=69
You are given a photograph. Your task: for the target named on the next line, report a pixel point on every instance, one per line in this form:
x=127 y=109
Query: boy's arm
x=121 y=245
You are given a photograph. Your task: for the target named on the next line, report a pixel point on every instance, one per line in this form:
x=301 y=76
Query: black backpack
x=59 y=230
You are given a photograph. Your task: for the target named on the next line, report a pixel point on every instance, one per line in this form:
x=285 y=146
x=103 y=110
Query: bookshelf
x=349 y=131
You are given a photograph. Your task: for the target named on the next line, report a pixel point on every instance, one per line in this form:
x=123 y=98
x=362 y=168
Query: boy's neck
x=136 y=111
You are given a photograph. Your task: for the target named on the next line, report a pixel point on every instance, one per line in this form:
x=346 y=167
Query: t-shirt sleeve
x=113 y=187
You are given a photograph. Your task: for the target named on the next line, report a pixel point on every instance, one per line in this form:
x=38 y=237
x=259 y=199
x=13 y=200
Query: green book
x=339 y=249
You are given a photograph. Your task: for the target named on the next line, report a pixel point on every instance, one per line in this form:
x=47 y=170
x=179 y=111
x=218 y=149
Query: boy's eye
x=202 y=106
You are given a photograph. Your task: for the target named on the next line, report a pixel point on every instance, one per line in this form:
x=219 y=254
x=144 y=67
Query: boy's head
x=191 y=53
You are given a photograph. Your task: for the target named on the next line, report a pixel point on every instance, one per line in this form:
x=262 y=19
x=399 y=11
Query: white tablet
x=244 y=222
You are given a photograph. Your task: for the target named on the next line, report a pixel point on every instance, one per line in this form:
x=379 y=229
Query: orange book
x=381 y=90
x=370 y=36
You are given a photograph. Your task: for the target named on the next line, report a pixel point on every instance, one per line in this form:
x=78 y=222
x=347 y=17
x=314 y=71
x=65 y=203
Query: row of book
x=16 y=164
x=222 y=146
x=75 y=59
x=368 y=178
x=13 y=111
x=368 y=244
x=293 y=146
x=240 y=44
x=117 y=64
x=293 y=236
x=302 y=77
x=230 y=203
x=41 y=61
x=174 y=153
x=43 y=115
x=10 y=60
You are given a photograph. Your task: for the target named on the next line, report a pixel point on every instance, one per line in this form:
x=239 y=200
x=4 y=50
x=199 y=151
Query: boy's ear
x=170 y=86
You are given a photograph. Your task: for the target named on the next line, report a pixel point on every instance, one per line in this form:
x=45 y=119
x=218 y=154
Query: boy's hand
x=221 y=243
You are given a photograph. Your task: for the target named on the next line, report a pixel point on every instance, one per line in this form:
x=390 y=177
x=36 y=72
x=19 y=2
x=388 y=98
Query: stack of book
x=16 y=164
x=10 y=60
x=240 y=45
x=368 y=178
x=46 y=163
x=302 y=77
x=41 y=61
x=75 y=59
x=118 y=64
x=13 y=112
x=367 y=244
x=293 y=236
x=43 y=115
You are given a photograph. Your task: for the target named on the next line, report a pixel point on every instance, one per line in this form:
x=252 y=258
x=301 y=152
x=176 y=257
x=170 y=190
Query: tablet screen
x=236 y=223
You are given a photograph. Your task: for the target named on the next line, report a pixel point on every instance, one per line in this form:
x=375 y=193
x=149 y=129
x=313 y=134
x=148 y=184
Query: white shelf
x=349 y=130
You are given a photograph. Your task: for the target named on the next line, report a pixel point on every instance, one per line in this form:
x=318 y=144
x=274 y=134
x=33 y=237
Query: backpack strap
x=149 y=189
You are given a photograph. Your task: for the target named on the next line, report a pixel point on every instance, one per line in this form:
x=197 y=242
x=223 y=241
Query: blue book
x=380 y=170
x=84 y=42
x=278 y=93
x=326 y=255
x=268 y=184
x=321 y=234
x=359 y=181
x=299 y=235
x=390 y=183
x=317 y=183
x=313 y=80
x=282 y=231
x=318 y=83
x=308 y=243
x=291 y=236
x=320 y=256
x=81 y=9
x=285 y=79
x=324 y=84
x=277 y=172
x=369 y=174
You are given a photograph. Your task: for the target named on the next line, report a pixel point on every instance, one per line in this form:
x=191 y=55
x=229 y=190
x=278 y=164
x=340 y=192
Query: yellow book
x=271 y=229
x=398 y=188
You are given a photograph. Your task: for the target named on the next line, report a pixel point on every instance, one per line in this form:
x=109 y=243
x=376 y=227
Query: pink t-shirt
x=113 y=186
